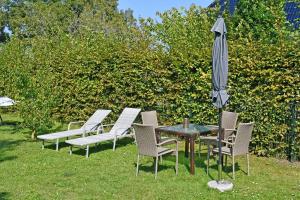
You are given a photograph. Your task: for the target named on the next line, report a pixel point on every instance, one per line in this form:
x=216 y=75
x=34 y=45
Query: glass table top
x=191 y=130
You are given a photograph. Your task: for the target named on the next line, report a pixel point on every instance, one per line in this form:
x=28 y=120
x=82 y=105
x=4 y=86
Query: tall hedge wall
x=163 y=66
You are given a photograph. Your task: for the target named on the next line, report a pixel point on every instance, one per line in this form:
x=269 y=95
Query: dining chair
x=228 y=122
x=148 y=146
x=151 y=118
x=238 y=146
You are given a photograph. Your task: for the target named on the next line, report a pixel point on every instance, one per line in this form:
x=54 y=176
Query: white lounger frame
x=93 y=124
x=122 y=128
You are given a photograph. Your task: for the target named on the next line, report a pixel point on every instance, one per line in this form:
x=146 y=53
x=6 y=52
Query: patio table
x=190 y=134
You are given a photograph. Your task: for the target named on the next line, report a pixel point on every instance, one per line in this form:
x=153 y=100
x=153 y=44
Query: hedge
x=157 y=66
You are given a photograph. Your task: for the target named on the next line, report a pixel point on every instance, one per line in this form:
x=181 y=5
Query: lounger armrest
x=169 y=141
x=100 y=129
x=104 y=125
x=75 y=122
x=125 y=130
x=131 y=130
x=94 y=125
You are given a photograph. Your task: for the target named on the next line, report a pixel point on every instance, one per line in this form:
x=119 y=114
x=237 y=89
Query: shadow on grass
x=4 y=195
x=102 y=146
x=151 y=169
x=7 y=158
x=10 y=127
x=226 y=168
x=199 y=163
x=52 y=145
x=9 y=123
x=8 y=145
x=169 y=157
x=183 y=160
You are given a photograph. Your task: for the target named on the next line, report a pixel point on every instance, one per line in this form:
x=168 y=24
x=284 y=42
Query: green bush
x=163 y=66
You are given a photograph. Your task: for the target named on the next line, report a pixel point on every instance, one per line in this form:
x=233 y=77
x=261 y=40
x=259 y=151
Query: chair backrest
x=145 y=139
x=242 y=139
x=95 y=120
x=229 y=120
x=150 y=118
x=125 y=121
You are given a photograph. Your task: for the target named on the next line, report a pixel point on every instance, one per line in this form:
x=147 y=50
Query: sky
x=148 y=8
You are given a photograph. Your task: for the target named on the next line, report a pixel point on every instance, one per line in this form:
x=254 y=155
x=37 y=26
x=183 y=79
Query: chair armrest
x=232 y=130
x=228 y=129
x=169 y=141
x=75 y=122
x=211 y=125
x=231 y=137
x=226 y=142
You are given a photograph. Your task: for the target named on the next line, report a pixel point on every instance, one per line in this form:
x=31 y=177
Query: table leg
x=187 y=147
x=192 y=158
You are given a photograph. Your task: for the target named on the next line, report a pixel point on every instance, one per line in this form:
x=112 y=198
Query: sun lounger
x=93 y=124
x=119 y=130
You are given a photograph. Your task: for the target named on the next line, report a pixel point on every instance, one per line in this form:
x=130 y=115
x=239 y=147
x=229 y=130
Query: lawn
x=28 y=172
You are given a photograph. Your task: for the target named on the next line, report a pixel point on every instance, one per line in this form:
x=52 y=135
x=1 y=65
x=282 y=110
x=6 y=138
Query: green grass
x=28 y=172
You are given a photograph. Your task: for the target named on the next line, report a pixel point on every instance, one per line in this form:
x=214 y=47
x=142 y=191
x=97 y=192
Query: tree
x=43 y=31
x=259 y=20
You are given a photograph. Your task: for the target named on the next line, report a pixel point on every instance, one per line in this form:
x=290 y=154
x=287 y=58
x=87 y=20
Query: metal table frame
x=190 y=134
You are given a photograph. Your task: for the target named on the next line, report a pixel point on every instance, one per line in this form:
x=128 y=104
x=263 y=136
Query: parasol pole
x=219 y=146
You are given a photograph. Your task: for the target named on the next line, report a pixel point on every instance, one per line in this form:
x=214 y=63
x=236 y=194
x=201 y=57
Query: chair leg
x=176 y=167
x=137 y=165
x=248 y=167
x=70 y=150
x=199 y=148
x=134 y=139
x=233 y=168
x=156 y=165
x=222 y=160
x=114 y=147
x=57 y=143
x=226 y=160
x=87 y=151
x=208 y=155
x=43 y=144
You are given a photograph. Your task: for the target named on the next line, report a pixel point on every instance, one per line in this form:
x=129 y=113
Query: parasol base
x=222 y=185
